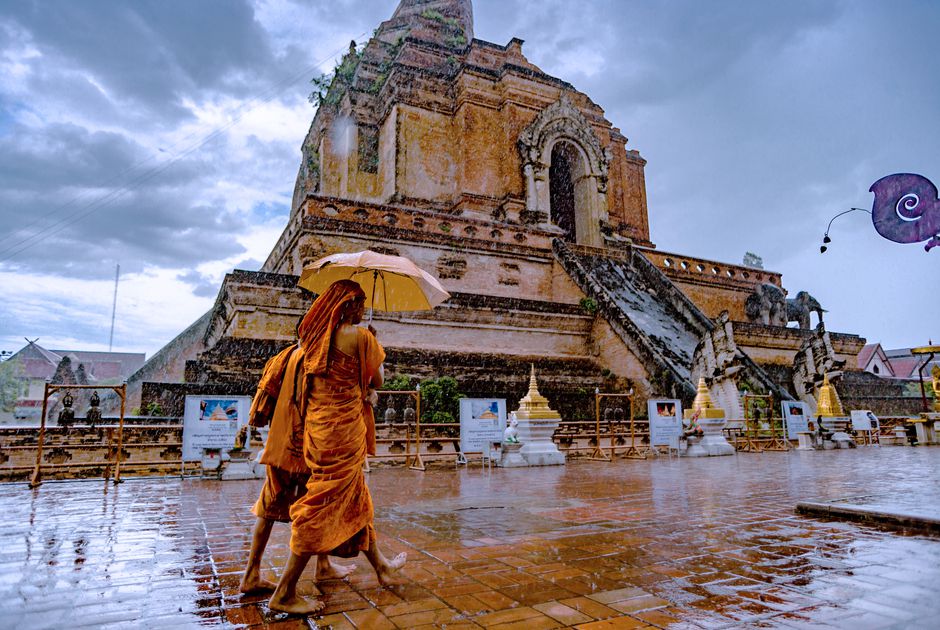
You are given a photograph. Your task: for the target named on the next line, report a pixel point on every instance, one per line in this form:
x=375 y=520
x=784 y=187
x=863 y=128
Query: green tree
x=63 y=373
x=440 y=400
x=398 y=383
x=11 y=383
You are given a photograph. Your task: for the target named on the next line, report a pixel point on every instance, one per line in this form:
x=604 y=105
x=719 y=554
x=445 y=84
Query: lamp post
x=826 y=239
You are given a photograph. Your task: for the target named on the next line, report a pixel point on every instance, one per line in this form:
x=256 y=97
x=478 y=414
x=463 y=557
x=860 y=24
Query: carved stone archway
x=563 y=122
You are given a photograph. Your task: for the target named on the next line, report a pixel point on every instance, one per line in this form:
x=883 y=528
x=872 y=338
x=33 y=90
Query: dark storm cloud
x=202 y=285
x=756 y=115
x=66 y=189
x=90 y=77
x=149 y=54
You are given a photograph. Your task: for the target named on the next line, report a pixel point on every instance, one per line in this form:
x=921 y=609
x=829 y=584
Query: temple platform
x=667 y=542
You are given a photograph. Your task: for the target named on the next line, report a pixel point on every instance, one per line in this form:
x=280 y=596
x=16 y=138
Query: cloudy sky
x=165 y=136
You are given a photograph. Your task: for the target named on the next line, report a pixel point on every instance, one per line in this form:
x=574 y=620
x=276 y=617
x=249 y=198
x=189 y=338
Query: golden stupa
x=534 y=406
x=702 y=406
x=828 y=404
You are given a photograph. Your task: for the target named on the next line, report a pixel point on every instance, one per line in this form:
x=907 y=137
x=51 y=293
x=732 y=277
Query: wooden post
x=418 y=464
x=633 y=452
x=750 y=444
x=598 y=453
x=109 y=432
x=122 y=392
x=777 y=442
x=37 y=475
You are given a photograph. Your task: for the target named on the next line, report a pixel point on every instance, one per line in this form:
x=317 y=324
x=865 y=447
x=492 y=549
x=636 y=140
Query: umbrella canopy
x=391 y=283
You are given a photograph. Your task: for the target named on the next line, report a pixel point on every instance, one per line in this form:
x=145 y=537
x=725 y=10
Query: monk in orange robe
x=343 y=365
x=281 y=386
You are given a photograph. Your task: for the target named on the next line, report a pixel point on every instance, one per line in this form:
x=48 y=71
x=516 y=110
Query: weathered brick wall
x=884 y=405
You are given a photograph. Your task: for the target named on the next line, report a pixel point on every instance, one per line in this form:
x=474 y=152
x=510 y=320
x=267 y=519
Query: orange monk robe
x=269 y=387
x=284 y=447
x=335 y=516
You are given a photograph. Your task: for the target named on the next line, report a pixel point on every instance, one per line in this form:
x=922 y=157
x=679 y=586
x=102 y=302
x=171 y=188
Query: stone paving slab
x=880 y=509
x=665 y=543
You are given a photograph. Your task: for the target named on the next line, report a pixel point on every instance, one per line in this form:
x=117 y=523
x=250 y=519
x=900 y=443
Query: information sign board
x=795 y=417
x=482 y=422
x=665 y=416
x=864 y=420
x=212 y=422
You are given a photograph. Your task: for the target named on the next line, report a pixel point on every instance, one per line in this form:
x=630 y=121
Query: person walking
x=342 y=367
x=277 y=404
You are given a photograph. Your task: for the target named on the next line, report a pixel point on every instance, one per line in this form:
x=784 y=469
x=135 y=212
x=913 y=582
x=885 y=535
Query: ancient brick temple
x=514 y=189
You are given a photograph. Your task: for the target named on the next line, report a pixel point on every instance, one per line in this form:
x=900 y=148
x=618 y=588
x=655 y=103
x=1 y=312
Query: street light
x=826 y=239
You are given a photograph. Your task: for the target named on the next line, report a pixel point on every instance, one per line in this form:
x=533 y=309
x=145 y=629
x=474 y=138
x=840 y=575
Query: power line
x=16 y=248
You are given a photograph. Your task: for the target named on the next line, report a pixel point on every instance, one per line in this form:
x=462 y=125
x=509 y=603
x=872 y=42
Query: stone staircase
x=652 y=316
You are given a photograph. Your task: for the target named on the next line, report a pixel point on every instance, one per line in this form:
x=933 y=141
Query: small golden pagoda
x=702 y=406
x=828 y=404
x=534 y=406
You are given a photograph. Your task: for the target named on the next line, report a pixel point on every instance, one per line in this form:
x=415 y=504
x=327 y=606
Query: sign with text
x=212 y=422
x=665 y=420
x=482 y=422
x=864 y=420
x=795 y=417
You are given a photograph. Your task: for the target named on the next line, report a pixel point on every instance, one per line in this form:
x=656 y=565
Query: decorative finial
x=533 y=385
x=703 y=399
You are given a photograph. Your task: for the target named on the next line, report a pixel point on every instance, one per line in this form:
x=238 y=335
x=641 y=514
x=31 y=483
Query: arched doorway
x=562 y=177
x=565 y=172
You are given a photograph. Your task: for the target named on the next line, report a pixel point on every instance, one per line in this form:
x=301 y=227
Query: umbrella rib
x=385 y=292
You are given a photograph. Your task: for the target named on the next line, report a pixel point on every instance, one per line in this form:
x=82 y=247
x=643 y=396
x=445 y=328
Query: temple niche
x=515 y=190
x=566 y=173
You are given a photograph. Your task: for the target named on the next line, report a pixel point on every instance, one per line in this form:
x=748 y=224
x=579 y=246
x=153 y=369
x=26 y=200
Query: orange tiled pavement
x=663 y=543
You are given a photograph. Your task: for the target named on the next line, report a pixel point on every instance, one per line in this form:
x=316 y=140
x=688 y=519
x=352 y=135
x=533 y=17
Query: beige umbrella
x=391 y=283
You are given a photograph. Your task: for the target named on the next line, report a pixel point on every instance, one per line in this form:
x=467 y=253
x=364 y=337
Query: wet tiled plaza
x=678 y=543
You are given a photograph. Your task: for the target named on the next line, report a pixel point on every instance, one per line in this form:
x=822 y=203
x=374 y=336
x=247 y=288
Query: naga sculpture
x=815 y=361
x=906 y=209
x=799 y=308
x=767 y=305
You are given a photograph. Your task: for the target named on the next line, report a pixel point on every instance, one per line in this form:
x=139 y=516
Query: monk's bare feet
x=252 y=582
x=389 y=568
x=296 y=605
x=333 y=571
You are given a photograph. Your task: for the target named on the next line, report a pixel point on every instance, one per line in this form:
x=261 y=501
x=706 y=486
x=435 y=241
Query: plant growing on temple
x=589 y=305
x=329 y=88
x=385 y=67
x=440 y=400
x=154 y=409
x=456 y=38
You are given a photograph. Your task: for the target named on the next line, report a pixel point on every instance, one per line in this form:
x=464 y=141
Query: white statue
x=511 y=434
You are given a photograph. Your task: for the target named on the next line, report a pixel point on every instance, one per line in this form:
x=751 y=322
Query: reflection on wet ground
x=677 y=543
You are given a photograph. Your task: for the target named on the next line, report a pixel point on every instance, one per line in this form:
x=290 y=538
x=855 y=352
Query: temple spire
x=459 y=10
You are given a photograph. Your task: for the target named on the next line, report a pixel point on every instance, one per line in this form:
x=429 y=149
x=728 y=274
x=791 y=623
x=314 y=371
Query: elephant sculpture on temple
x=799 y=308
x=767 y=305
